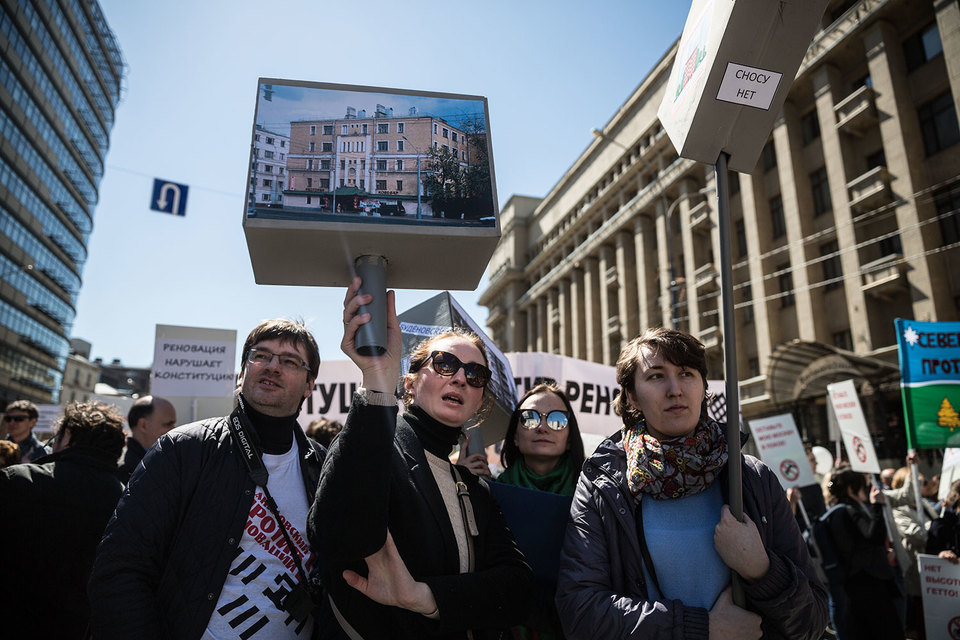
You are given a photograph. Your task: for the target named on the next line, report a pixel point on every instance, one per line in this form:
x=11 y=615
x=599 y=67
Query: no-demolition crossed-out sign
x=853 y=426
x=169 y=197
x=782 y=450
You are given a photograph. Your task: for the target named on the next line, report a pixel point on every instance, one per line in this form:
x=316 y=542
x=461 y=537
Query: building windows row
x=810 y=127
x=43 y=259
x=821 y=191
x=922 y=46
x=53 y=227
x=37 y=335
x=778 y=224
x=48 y=43
x=23 y=369
x=71 y=128
x=115 y=63
x=67 y=163
x=938 y=124
x=86 y=71
x=832 y=268
x=36 y=294
x=68 y=82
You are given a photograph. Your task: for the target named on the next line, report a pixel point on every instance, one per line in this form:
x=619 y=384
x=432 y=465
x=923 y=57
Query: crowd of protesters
x=248 y=526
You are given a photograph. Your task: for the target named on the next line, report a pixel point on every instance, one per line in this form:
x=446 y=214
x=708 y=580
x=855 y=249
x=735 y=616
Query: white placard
x=853 y=426
x=332 y=392
x=950 y=472
x=748 y=86
x=940 y=589
x=782 y=450
x=193 y=362
x=590 y=387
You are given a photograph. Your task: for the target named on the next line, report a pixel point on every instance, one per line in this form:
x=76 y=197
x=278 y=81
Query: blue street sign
x=169 y=197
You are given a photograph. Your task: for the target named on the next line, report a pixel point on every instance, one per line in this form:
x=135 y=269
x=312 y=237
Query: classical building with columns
x=849 y=220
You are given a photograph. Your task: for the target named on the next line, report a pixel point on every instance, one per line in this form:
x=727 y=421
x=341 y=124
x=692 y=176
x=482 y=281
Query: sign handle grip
x=372 y=336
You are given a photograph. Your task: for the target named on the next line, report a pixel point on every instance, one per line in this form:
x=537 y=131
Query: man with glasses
x=19 y=419
x=209 y=539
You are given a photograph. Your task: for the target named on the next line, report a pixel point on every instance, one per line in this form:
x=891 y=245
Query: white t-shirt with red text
x=264 y=572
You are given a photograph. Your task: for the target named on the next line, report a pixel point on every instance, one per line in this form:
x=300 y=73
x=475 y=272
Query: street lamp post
x=674 y=321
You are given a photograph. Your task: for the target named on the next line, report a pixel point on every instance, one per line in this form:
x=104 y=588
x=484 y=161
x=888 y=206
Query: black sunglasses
x=447 y=364
x=556 y=419
x=15 y=418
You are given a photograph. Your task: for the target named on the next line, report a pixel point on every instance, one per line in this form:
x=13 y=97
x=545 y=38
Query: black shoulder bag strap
x=297 y=603
x=644 y=551
x=469 y=521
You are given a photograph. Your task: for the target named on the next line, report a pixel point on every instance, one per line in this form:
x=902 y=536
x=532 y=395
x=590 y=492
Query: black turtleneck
x=276 y=434
x=436 y=437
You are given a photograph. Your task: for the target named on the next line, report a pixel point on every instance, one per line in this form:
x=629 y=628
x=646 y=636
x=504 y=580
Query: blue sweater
x=679 y=534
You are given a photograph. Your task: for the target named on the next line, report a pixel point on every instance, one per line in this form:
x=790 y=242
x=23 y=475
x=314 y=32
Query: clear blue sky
x=551 y=70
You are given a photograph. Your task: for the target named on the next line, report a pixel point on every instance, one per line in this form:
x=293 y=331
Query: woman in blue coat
x=651 y=545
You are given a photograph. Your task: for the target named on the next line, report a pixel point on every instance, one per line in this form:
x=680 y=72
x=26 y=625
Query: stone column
x=606 y=305
x=563 y=302
x=906 y=159
x=627 y=285
x=797 y=201
x=828 y=89
x=592 y=311
x=550 y=320
x=578 y=347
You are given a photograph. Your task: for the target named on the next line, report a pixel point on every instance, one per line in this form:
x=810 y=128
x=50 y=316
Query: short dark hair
x=843 y=481
x=510 y=453
x=324 y=431
x=93 y=424
x=292 y=331
x=142 y=408
x=23 y=405
x=677 y=347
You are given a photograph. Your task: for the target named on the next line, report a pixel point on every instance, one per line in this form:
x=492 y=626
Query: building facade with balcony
x=850 y=219
x=80 y=375
x=269 y=174
x=385 y=155
x=62 y=78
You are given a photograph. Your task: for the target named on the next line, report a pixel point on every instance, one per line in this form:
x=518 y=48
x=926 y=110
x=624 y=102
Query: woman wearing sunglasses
x=409 y=545
x=651 y=545
x=543 y=448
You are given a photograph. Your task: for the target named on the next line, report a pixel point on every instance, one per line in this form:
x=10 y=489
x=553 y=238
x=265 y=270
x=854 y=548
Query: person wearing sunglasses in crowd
x=651 y=546
x=19 y=419
x=410 y=545
x=543 y=448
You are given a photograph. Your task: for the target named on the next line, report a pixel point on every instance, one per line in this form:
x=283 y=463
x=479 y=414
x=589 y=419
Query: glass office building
x=61 y=78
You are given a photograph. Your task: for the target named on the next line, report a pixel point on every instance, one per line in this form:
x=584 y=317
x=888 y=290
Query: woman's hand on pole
x=729 y=621
x=380 y=373
x=389 y=582
x=740 y=547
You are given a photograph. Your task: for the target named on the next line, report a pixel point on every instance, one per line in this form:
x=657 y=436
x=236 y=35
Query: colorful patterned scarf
x=673 y=468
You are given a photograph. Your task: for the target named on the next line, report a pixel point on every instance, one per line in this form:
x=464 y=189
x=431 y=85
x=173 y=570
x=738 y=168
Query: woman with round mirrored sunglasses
x=556 y=419
x=542 y=450
x=389 y=497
